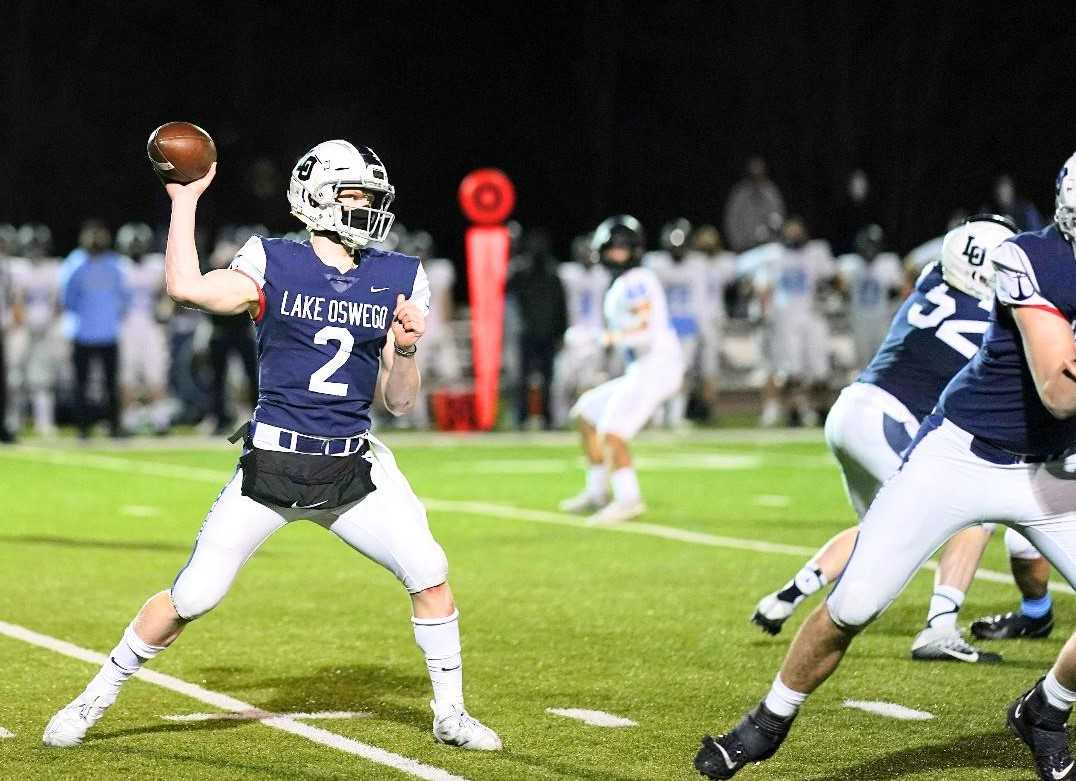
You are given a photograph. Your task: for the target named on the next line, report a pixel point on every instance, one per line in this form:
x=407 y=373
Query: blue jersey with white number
x=933 y=335
x=320 y=333
x=995 y=397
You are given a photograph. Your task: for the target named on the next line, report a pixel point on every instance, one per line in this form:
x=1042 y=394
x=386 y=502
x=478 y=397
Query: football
x=181 y=152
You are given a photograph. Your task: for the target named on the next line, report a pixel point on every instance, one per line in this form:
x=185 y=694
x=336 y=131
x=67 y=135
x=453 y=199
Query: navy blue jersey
x=933 y=335
x=995 y=397
x=321 y=331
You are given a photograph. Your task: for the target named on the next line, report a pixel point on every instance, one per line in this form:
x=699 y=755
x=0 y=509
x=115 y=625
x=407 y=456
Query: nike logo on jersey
x=308 y=506
x=378 y=289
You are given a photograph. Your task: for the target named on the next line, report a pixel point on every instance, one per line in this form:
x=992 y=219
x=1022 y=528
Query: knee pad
x=1019 y=547
x=429 y=569
x=853 y=605
x=192 y=601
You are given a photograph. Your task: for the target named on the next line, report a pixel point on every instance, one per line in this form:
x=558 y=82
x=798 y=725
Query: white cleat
x=584 y=503
x=454 y=726
x=948 y=645
x=616 y=512
x=70 y=724
x=771 y=613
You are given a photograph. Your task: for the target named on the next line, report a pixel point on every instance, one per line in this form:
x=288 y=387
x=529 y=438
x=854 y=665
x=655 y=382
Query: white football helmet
x=1065 y=212
x=318 y=178
x=963 y=258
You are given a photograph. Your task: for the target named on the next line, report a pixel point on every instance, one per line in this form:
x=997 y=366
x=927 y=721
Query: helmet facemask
x=329 y=169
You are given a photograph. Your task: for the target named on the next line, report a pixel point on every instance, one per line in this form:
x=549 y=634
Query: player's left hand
x=408 y=322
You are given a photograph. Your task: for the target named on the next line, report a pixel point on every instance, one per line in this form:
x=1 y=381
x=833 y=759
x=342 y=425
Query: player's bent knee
x=852 y=606
x=1019 y=547
x=191 y=602
x=428 y=571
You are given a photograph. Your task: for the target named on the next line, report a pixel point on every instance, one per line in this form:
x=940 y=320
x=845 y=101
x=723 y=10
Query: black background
x=592 y=107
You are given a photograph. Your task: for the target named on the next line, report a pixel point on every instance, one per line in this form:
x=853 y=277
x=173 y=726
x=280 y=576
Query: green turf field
x=641 y=622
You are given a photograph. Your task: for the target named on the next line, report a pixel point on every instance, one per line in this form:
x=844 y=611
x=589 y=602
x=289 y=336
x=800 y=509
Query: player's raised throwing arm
x=221 y=291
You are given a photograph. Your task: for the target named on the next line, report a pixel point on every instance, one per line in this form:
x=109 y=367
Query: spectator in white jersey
x=8 y=318
x=684 y=277
x=874 y=284
x=720 y=275
x=144 y=356
x=754 y=210
x=581 y=363
x=40 y=347
x=788 y=279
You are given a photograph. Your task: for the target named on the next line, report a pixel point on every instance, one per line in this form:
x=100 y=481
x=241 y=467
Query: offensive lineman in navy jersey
x=333 y=317
x=934 y=334
x=998 y=447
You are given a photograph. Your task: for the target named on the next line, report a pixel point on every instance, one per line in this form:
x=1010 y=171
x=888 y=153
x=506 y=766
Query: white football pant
x=942 y=488
x=867 y=428
x=388 y=526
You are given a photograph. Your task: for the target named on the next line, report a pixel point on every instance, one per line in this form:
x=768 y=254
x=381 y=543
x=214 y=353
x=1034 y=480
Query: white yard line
x=258 y=715
x=487 y=509
x=595 y=718
x=6 y=733
x=889 y=709
x=226 y=703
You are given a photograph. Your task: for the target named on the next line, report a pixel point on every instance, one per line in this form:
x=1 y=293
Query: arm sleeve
x=420 y=291
x=1014 y=282
x=250 y=260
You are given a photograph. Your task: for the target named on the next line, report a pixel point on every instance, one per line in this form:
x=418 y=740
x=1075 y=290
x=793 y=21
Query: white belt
x=268 y=437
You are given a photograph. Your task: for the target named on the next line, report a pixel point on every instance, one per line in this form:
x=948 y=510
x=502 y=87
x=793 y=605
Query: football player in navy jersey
x=934 y=334
x=333 y=317
x=994 y=449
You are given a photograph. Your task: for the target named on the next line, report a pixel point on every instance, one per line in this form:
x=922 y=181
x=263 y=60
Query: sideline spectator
x=96 y=295
x=539 y=296
x=231 y=334
x=755 y=209
x=1008 y=203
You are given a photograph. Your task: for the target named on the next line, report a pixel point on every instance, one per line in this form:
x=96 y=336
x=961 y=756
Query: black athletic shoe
x=755 y=738
x=1012 y=625
x=1042 y=727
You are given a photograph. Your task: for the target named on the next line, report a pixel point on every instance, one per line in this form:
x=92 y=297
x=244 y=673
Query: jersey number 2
x=319 y=380
x=951 y=331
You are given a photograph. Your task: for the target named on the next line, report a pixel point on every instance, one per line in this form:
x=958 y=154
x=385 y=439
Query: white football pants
x=867 y=428
x=389 y=526
x=942 y=488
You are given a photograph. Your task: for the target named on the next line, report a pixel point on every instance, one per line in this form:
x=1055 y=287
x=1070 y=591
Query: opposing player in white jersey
x=685 y=278
x=334 y=318
x=144 y=356
x=936 y=332
x=997 y=447
x=39 y=343
x=610 y=415
x=580 y=365
x=788 y=280
x=873 y=280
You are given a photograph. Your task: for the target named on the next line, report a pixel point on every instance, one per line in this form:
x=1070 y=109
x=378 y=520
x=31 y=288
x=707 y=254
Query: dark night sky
x=592 y=108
